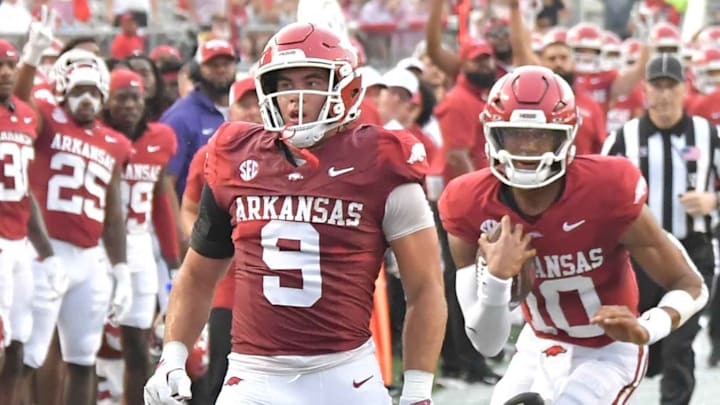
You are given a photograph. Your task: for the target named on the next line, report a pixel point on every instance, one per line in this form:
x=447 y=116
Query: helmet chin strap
x=303 y=153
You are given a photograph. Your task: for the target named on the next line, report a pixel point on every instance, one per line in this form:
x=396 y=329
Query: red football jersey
x=18 y=131
x=580 y=264
x=71 y=172
x=626 y=108
x=195 y=178
x=308 y=241
x=591 y=133
x=706 y=106
x=596 y=85
x=151 y=152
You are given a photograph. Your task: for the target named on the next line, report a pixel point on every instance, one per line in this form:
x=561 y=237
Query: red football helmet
x=526 y=108
x=706 y=66
x=709 y=37
x=557 y=35
x=197 y=362
x=611 y=52
x=665 y=38
x=306 y=45
x=586 y=40
x=630 y=51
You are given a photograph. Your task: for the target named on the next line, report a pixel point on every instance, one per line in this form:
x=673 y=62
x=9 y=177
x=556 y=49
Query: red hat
x=474 y=47
x=7 y=50
x=124 y=78
x=213 y=48
x=240 y=88
x=165 y=50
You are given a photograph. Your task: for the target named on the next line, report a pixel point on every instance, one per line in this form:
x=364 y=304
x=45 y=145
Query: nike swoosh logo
x=153 y=148
x=569 y=227
x=359 y=384
x=333 y=172
x=110 y=139
x=208 y=131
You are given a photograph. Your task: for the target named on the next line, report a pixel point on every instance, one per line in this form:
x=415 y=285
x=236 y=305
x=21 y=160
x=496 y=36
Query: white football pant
x=568 y=374
x=16 y=289
x=80 y=314
x=141 y=262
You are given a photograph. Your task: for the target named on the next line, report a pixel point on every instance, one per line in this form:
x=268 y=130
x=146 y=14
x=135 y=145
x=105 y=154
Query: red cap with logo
x=213 y=48
x=7 y=50
x=474 y=47
x=125 y=78
x=162 y=51
x=240 y=88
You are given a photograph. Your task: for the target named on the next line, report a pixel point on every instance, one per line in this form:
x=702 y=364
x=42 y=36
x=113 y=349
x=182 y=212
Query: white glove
x=40 y=37
x=170 y=385
x=643 y=19
x=122 y=297
x=417 y=388
x=57 y=277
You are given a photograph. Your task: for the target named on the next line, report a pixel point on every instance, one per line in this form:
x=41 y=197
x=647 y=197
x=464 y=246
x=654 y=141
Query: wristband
x=680 y=301
x=174 y=355
x=417 y=384
x=657 y=323
x=494 y=291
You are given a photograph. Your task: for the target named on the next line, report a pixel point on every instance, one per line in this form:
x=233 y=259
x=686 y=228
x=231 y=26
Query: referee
x=679 y=155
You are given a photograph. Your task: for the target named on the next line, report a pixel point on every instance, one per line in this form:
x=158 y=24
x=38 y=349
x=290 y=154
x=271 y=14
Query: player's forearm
x=37 y=232
x=445 y=60
x=520 y=39
x=191 y=297
x=627 y=79
x=115 y=238
x=486 y=313
x=424 y=331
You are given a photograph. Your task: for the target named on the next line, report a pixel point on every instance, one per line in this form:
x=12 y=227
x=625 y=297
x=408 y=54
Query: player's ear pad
x=526 y=398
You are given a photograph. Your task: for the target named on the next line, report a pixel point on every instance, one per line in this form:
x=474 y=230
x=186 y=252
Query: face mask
x=74 y=102
x=483 y=80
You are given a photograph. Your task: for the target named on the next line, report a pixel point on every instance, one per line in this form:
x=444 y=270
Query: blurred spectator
x=142 y=10
x=201 y=12
x=550 y=15
x=162 y=54
x=244 y=104
x=86 y=43
x=127 y=42
x=15 y=17
x=155 y=100
x=185 y=81
x=617 y=16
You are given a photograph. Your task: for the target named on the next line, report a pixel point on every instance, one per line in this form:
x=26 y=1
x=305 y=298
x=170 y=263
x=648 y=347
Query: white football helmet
x=79 y=67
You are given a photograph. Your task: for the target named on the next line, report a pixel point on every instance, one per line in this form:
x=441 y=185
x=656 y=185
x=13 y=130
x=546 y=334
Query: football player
x=578 y=219
x=146 y=198
x=20 y=220
x=307 y=205
x=76 y=178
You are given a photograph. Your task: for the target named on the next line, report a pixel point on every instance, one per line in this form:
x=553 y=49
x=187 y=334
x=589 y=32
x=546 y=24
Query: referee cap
x=665 y=65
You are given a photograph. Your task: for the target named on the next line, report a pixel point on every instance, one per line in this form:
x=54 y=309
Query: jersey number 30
x=16 y=171
x=306 y=259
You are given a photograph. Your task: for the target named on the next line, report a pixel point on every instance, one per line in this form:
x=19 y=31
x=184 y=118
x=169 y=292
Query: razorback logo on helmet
x=554 y=350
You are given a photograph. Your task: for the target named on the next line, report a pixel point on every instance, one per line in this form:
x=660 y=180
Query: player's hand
x=620 y=324
x=699 y=203
x=57 y=277
x=122 y=297
x=170 y=384
x=40 y=37
x=506 y=256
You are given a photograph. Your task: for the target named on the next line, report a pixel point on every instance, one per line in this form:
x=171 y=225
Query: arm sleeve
x=165 y=226
x=212 y=232
x=484 y=301
x=406 y=212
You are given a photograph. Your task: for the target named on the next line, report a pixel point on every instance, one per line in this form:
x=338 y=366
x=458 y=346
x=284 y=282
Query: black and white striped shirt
x=673 y=161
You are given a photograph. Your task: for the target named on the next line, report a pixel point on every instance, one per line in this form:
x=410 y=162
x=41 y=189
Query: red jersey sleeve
x=220 y=157
x=403 y=155
x=624 y=195
x=195 y=178
x=457 y=205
